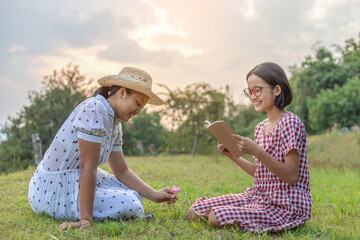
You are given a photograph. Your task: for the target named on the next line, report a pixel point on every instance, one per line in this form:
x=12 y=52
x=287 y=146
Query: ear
x=121 y=93
x=277 y=90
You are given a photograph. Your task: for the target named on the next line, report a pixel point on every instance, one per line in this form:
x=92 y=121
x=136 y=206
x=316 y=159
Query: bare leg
x=213 y=220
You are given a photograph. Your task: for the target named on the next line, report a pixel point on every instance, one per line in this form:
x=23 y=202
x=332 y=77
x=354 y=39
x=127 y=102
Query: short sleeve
x=117 y=147
x=89 y=121
x=292 y=135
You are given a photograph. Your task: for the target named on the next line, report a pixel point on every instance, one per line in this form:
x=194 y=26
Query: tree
x=49 y=107
x=340 y=105
x=129 y=141
x=185 y=110
x=148 y=129
x=315 y=74
x=351 y=57
x=145 y=127
x=245 y=120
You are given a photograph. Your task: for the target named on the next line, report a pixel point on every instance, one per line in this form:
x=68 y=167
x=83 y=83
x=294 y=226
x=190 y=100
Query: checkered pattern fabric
x=271 y=204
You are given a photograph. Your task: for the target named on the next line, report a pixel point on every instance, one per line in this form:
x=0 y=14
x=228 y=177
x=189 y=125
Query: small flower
x=175 y=189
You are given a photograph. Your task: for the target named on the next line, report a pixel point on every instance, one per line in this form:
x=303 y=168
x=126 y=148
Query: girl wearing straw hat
x=68 y=183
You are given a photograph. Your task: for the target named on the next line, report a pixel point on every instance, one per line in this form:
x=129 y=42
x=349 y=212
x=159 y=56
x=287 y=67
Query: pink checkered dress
x=271 y=204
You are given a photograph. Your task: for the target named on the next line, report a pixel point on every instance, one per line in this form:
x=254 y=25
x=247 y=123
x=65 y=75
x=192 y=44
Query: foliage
x=68 y=79
x=48 y=109
x=351 y=57
x=324 y=72
x=339 y=105
x=245 y=120
x=129 y=141
x=145 y=127
x=187 y=109
x=315 y=75
x=325 y=92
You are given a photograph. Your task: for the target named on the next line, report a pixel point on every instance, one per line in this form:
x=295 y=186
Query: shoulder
x=292 y=118
x=292 y=121
x=93 y=111
x=93 y=102
x=92 y=106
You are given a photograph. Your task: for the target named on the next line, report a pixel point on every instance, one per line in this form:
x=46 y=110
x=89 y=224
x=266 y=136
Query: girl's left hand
x=165 y=195
x=246 y=145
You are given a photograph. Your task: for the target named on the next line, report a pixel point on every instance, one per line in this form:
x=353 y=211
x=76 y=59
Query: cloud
x=16 y=48
x=91 y=65
x=177 y=42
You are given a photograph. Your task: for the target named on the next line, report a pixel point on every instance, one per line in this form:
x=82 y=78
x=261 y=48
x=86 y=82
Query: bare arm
x=125 y=175
x=287 y=171
x=90 y=154
x=247 y=166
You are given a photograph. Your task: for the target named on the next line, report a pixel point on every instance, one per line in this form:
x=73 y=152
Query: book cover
x=222 y=131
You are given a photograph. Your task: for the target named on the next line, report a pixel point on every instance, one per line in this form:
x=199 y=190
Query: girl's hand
x=82 y=224
x=246 y=145
x=165 y=195
x=223 y=150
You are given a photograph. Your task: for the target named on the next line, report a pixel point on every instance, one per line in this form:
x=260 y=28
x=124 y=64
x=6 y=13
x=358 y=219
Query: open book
x=222 y=131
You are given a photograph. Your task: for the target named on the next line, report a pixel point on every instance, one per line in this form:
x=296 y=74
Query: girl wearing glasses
x=280 y=197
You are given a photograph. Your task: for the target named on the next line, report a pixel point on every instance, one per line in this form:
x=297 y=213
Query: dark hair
x=274 y=75
x=109 y=91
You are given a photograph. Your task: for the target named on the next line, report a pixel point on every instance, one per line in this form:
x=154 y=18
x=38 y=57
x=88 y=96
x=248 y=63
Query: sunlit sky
x=176 y=42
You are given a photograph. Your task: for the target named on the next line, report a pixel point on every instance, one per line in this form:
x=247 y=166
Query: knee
x=213 y=220
x=192 y=215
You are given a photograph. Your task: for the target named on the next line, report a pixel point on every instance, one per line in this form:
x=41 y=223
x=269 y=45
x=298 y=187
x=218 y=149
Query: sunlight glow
x=320 y=8
x=248 y=10
x=147 y=36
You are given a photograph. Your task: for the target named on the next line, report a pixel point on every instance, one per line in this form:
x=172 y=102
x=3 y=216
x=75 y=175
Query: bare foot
x=192 y=215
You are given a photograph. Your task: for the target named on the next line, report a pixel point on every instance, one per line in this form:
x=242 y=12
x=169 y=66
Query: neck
x=111 y=101
x=275 y=114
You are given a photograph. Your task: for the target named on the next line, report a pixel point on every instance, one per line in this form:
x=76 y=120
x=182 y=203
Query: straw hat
x=135 y=79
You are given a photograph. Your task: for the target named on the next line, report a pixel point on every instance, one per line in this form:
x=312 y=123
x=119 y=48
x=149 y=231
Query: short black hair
x=274 y=75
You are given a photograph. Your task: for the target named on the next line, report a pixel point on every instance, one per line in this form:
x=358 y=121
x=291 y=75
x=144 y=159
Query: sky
x=176 y=42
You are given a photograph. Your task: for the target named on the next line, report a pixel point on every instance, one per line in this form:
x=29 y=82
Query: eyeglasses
x=257 y=91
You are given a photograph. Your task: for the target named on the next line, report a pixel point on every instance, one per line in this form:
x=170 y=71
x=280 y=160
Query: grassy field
x=335 y=189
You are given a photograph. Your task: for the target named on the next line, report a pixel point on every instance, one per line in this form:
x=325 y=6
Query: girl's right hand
x=223 y=150
x=164 y=195
x=82 y=224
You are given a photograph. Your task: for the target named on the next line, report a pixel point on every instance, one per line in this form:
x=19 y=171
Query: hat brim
x=127 y=82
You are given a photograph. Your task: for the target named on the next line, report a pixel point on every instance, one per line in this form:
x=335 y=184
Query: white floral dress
x=55 y=186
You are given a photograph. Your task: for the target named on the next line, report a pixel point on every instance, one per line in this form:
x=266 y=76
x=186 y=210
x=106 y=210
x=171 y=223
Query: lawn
x=335 y=215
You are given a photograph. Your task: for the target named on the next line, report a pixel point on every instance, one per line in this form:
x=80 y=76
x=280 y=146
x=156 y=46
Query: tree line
x=326 y=92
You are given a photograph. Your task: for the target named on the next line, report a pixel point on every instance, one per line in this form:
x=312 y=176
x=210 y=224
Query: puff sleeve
x=90 y=121
x=293 y=135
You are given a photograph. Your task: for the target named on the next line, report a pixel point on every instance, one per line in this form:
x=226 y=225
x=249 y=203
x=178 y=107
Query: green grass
x=335 y=149
x=335 y=215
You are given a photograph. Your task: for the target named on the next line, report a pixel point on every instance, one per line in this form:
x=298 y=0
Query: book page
x=222 y=131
